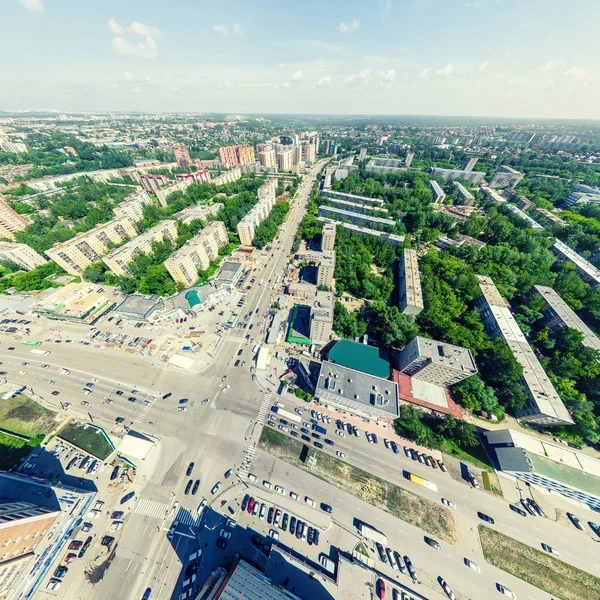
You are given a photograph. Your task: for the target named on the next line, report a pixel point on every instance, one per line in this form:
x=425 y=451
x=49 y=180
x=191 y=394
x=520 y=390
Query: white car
x=64 y=371
x=94 y=514
x=53 y=584
x=201 y=507
x=215 y=488
x=340 y=433
x=225 y=534
x=273 y=533
x=45 y=366
x=22 y=372
x=309 y=501
x=251 y=476
x=505 y=591
x=99 y=504
x=448 y=503
x=280 y=490
x=225 y=388
x=267 y=484
x=472 y=565
x=263 y=510
x=387 y=444
x=294 y=496
x=340 y=454
x=116 y=525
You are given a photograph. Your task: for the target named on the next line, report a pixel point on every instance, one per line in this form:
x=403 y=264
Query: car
x=407 y=452
x=228 y=473
x=107 y=541
x=387 y=444
x=549 y=549
x=53 y=584
x=131 y=399
x=326 y=508
x=60 y=571
x=575 y=520
x=472 y=479
x=223 y=378
x=394 y=447
x=329 y=442
x=205 y=401
x=189 y=470
x=120 y=393
x=315 y=536
x=237 y=363
x=221 y=543
x=45 y=366
x=24 y=364
x=116 y=525
x=504 y=590
x=274 y=534
x=309 y=501
x=294 y=496
x=75 y=545
x=340 y=454
x=381 y=552
x=86 y=527
x=182 y=409
x=127 y=497
x=262 y=511
x=446 y=588
x=315 y=435
x=119 y=420
x=245 y=501
x=485 y=517
x=536 y=507
x=442 y=466
x=400 y=563
x=282 y=428
x=167 y=395
x=215 y=488
x=380 y=588
x=55 y=393
x=280 y=490
x=518 y=510
x=369 y=437
x=225 y=388
x=195 y=487
x=411 y=569
x=117 y=514
x=433 y=543
x=251 y=503
x=270 y=515
x=318 y=445
x=594 y=527
x=147 y=594
x=528 y=508
x=284 y=522
x=184 y=401
x=448 y=503
x=277 y=517
x=69 y=558
x=266 y=484
x=340 y=433
x=391 y=558
x=472 y=565
x=300 y=527
x=225 y=534
x=22 y=372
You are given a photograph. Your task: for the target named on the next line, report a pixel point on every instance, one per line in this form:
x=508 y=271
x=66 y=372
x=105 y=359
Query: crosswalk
x=152 y=508
x=251 y=449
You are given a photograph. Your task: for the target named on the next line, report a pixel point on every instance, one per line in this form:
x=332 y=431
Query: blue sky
x=514 y=58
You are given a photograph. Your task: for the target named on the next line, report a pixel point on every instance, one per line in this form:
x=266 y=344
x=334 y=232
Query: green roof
x=360 y=357
x=192 y=298
x=565 y=474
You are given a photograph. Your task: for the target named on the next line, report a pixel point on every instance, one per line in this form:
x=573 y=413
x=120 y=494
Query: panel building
x=543 y=405
x=356 y=218
x=10 y=221
x=437 y=191
x=198 y=212
x=464 y=194
x=133 y=206
x=326 y=269
x=118 y=260
x=182 y=157
x=506 y=177
x=436 y=362
x=89 y=247
x=328 y=237
x=266 y=155
x=21 y=254
x=470 y=164
x=321 y=317
x=352 y=197
x=409 y=284
x=151 y=183
x=452 y=174
x=246 y=228
x=587 y=270
x=196 y=254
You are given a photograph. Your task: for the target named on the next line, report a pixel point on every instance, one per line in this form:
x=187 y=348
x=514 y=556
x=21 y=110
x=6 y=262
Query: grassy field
x=26 y=417
x=538 y=568
x=87 y=438
x=432 y=518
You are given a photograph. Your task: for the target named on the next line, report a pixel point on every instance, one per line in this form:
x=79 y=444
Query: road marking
x=151 y=508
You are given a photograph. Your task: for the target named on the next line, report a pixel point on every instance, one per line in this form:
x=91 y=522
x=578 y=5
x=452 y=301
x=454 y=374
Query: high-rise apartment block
x=321 y=317
x=21 y=254
x=326 y=269
x=196 y=254
x=246 y=228
x=199 y=176
x=409 y=158
x=182 y=157
x=543 y=405
x=10 y=221
x=118 y=260
x=133 y=206
x=409 y=284
x=245 y=154
x=89 y=247
x=506 y=177
x=285 y=159
x=437 y=191
x=328 y=237
x=151 y=182
x=362 y=154
x=266 y=155
x=436 y=362
x=470 y=164
x=240 y=154
x=309 y=153
x=228 y=155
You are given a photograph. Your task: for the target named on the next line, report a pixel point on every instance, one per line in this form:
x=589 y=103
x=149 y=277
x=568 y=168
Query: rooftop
x=568 y=253
x=352 y=197
x=441 y=353
x=352 y=215
x=229 y=271
x=517 y=211
x=414 y=294
x=360 y=357
x=139 y=306
x=389 y=237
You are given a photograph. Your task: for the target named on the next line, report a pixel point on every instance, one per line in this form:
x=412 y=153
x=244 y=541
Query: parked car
x=575 y=520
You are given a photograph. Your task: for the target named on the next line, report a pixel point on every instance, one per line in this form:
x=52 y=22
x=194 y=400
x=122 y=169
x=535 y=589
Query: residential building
x=302 y=290
x=452 y=174
x=409 y=158
x=493 y=195
x=520 y=137
x=266 y=155
x=118 y=260
x=21 y=254
x=506 y=177
x=196 y=254
x=362 y=154
x=436 y=362
x=326 y=269
x=285 y=160
x=133 y=206
x=524 y=203
x=432 y=139
x=309 y=153
x=246 y=228
x=23 y=525
x=390 y=238
x=470 y=164
x=179 y=186
x=459 y=212
x=151 y=183
x=543 y=405
x=182 y=157
x=409 y=284
x=198 y=212
x=437 y=191
x=89 y=247
x=358 y=208
x=228 y=176
x=245 y=154
x=199 y=176
x=588 y=272
x=558 y=314
x=386 y=165
x=228 y=155
x=297 y=150
x=517 y=211
x=328 y=237
x=464 y=194
x=321 y=317
x=356 y=218
x=554 y=219
x=444 y=242
x=10 y=221
x=352 y=197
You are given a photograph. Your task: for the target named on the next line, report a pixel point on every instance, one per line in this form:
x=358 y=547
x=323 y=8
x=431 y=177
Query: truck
x=40 y=352
x=320 y=429
x=286 y=414
x=372 y=534
x=423 y=482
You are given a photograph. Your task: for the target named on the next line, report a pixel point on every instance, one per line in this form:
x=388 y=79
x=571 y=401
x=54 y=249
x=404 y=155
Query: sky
x=492 y=58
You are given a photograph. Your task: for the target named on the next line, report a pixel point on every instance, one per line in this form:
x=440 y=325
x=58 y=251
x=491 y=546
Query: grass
x=24 y=416
x=12 y=451
x=360 y=549
x=432 y=518
x=538 y=568
x=87 y=438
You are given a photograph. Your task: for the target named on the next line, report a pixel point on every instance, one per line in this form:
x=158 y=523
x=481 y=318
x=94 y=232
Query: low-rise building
x=464 y=194
x=321 y=317
x=409 y=284
x=506 y=177
x=198 y=212
x=386 y=165
x=588 y=271
x=228 y=176
x=517 y=211
x=21 y=254
x=452 y=174
x=229 y=275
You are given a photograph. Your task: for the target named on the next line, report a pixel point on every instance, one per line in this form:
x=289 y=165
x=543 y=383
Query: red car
x=55 y=393
x=75 y=545
x=251 y=503
x=381 y=589
x=69 y=558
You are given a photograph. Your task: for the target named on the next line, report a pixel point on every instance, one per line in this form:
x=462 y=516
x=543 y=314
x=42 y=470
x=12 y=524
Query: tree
x=95 y=273
x=348 y=325
x=390 y=326
x=473 y=394
x=409 y=424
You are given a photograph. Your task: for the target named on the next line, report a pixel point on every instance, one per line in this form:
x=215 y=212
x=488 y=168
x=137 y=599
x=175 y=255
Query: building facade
x=10 y=221
x=21 y=254
x=133 y=206
x=506 y=177
x=437 y=191
x=321 y=317
x=151 y=183
x=328 y=237
x=452 y=174
x=326 y=269
x=587 y=270
x=409 y=284
x=198 y=212
x=182 y=157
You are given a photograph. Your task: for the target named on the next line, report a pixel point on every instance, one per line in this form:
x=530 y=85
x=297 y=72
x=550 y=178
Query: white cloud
x=445 y=71
x=32 y=5
x=126 y=40
x=297 y=76
x=285 y=85
x=128 y=75
x=552 y=66
x=579 y=72
x=361 y=77
x=325 y=80
x=387 y=76
x=350 y=26
x=424 y=74
x=483 y=66
x=236 y=29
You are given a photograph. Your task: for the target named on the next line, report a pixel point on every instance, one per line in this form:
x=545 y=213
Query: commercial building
x=356 y=218
x=582 y=194
x=506 y=177
x=118 y=260
x=321 y=317
x=545 y=465
x=198 y=212
x=558 y=314
x=133 y=206
x=89 y=247
x=182 y=157
x=437 y=191
x=543 y=405
x=390 y=238
x=436 y=362
x=326 y=269
x=452 y=174
x=409 y=284
x=351 y=197
x=229 y=275
x=470 y=164
x=10 y=221
x=588 y=271
x=151 y=183
x=409 y=158
x=464 y=194
x=21 y=254
x=196 y=254
x=328 y=237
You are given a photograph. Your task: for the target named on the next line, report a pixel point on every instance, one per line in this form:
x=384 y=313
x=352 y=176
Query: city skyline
x=420 y=57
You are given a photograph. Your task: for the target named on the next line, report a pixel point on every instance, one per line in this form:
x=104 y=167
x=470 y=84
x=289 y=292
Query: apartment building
x=228 y=176
x=356 y=218
x=182 y=157
x=437 y=191
x=118 y=260
x=10 y=221
x=268 y=158
x=506 y=177
x=326 y=269
x=464 y=194
x=199 y=176
x=409 y=158
x=245 y=155
x=452 y=174
x=321 y=317
x=151 y=183
x=285 y=160
x=470 y=164
x=328 y=237
x=198 y=212
x=362 y=154
x=389 y=238
x=587 y=270
x=246 y=228
x=89 y=247
x=21 y=254
x=543 y=405
x=133 y=206
x=436 y=362
x=309 y=153
x=352 y=197
x=197 y=253
x=409 y=284
x=228 y=155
